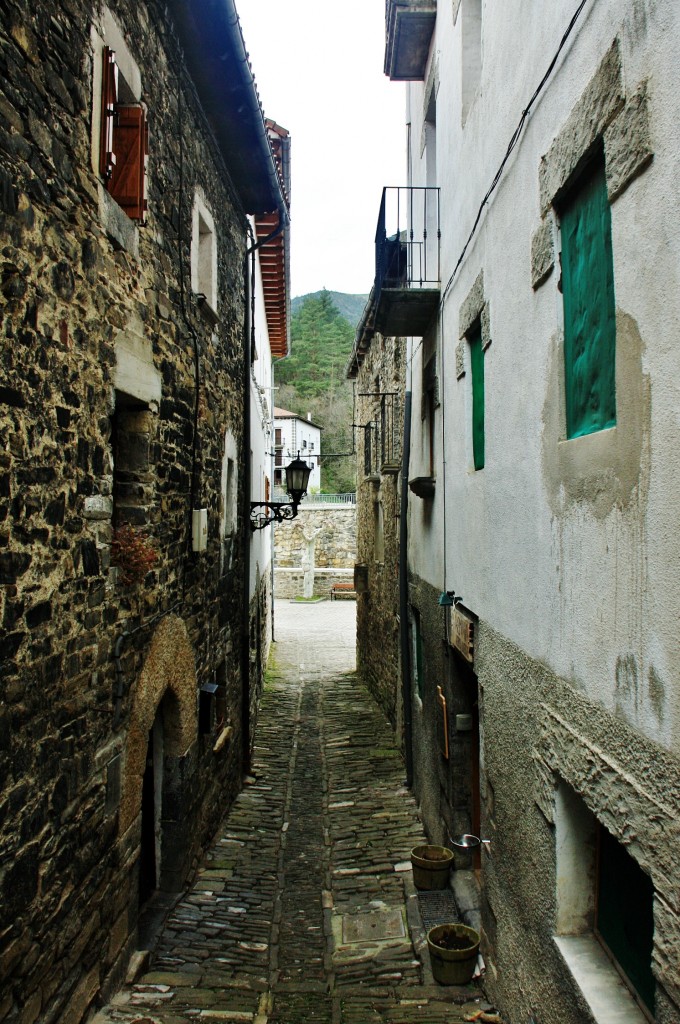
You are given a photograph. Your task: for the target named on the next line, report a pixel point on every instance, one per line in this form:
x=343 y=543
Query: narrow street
x=304 y=908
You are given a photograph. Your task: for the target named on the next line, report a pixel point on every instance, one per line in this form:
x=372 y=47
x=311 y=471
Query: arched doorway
x=161 y=732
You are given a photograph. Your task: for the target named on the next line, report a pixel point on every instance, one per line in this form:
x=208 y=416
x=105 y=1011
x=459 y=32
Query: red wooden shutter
x=107 y=156
x=128 y=181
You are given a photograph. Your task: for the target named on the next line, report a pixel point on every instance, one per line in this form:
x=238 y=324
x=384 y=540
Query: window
x=204 y=254
x=471 y=64
x=589 y=311
x=605 y=918
x=430 y=401
x=625 y=927
x=132 y=487
x=378 y=532
x=124 y=141
x=477 y=374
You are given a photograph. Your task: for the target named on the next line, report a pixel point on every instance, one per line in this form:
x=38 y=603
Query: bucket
x=453 y=953
x=431 y=866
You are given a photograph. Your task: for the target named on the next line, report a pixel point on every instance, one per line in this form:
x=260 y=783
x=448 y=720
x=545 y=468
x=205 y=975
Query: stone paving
x=304 y=908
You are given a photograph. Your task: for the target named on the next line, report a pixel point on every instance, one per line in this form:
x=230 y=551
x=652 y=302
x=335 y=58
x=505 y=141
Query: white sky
x=318 y=69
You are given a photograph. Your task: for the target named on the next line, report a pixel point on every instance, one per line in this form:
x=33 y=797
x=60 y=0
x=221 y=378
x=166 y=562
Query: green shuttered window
x=589 y=311
x=477 y=371
x=625 y=915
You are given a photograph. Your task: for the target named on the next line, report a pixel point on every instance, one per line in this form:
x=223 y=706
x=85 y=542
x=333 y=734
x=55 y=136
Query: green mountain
x=312 y=380
x=349 y=306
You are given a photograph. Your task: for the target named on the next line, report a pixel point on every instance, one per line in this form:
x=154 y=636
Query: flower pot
x=453 y=953
x=431 y=866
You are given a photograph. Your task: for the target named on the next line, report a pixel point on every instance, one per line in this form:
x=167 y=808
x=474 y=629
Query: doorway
x=152 y=811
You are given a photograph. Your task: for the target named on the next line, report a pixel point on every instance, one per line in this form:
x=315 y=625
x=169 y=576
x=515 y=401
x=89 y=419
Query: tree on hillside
x=312 y=380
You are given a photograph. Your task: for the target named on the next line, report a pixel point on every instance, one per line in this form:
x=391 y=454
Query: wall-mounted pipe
x=403 y=596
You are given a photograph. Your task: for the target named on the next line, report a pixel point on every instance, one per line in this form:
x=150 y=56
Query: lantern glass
x=297 y=478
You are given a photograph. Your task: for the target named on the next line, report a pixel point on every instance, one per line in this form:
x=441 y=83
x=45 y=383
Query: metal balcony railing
x=407 y=238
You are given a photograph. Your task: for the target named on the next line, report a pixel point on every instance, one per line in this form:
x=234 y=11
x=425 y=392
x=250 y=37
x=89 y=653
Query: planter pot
x=453 y=953
x=431 y=866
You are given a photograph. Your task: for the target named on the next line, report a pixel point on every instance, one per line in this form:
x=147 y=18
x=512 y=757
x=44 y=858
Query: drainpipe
x=403 y=596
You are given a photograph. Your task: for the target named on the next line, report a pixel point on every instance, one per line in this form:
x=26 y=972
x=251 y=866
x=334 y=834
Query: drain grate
x=437 y=907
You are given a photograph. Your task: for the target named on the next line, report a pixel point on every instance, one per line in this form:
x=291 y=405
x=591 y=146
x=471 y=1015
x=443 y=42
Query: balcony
x=407 y=268
x=409 y=26
x=405 y=294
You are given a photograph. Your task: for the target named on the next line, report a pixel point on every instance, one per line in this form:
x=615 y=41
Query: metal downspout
x=403 y=596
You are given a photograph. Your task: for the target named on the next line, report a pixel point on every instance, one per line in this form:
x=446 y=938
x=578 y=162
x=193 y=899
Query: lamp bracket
x=273 y=512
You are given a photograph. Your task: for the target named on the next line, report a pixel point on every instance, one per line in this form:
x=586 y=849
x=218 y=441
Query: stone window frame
x=204 y=253
x=562 y=757
x=475 y=312
x=603 y=117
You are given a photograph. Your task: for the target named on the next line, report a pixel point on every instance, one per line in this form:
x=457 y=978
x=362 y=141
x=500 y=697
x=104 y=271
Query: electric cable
x=511 y=145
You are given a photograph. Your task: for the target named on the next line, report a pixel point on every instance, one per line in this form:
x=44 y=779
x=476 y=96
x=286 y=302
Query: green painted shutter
x=589 y=311
x=477 y=368
x=625 y=915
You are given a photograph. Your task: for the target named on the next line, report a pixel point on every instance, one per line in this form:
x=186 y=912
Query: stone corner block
x=600 y=102
x=98 y=506
x=472 y=307
x=460 y=360
x=628 y=144
x=485 y=323
x=542 y=254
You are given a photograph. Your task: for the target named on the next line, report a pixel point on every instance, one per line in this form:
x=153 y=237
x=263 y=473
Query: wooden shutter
x=477 y=367
x=128 y=181
x=107 y=156
x=589 y=308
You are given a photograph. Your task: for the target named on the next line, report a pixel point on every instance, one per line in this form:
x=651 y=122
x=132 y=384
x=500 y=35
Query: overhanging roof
x=210 y=34
x=274 y=255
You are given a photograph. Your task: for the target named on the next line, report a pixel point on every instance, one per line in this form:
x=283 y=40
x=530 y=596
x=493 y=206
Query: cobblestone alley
x=304 y=908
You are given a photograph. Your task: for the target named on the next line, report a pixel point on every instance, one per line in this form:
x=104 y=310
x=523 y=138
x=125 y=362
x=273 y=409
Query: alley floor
x=304 y=911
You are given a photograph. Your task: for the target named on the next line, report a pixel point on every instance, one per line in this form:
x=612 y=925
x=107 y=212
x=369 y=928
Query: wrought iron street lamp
x=297 y=478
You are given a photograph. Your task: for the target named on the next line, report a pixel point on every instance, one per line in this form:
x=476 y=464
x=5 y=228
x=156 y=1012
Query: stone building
x=140 y=195
x=530 y=263
x=377 y=365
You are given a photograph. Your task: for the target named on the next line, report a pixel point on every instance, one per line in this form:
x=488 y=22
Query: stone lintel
x=542 y=254
x=628 y=144
x=471 y=310
x=599 y=104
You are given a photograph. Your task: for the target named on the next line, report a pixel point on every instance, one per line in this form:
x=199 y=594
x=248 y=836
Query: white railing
x=349 y=498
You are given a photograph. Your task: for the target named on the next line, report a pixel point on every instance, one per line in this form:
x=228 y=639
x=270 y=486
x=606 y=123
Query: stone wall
x=330 y=530
x=102 y=342
x=379 y=494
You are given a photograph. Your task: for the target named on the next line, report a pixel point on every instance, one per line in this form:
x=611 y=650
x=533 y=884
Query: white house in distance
x=293 y=434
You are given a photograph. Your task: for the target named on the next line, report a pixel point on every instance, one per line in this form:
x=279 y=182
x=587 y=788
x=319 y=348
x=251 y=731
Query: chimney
x=309 y=417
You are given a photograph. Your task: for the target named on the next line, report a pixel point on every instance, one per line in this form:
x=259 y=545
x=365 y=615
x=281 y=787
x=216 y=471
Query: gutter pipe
x=403 y=596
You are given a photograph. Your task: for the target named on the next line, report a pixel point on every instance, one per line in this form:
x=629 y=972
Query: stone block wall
x=331 y=530
x=378 y=506
x=99 y=323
